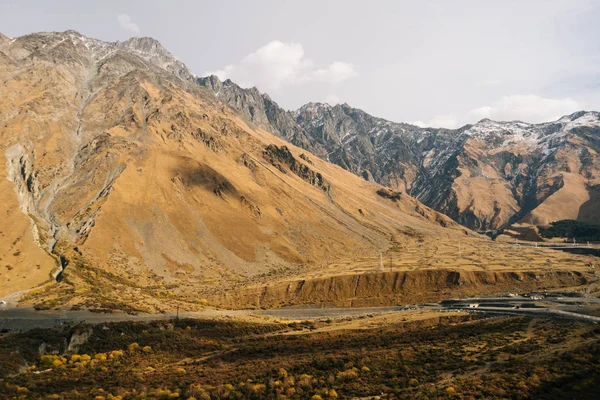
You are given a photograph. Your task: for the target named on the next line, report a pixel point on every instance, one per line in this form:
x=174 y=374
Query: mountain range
x=121 y=169
x=131 y=181
x=486 y=176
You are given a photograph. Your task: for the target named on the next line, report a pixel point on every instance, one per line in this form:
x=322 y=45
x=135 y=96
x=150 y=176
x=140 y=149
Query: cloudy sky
x=436 y=63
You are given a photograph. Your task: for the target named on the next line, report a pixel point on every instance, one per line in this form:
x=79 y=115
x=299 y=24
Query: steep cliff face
x=485 y=176
x=130 y=181
x=397 y=288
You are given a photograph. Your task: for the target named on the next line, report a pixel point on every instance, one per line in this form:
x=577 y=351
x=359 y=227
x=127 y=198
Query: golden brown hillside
x=126 y=172
x=138 y=189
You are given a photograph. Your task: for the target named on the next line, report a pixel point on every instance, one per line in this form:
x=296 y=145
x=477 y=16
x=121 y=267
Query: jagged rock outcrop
x=151 y=50
x=281 y=156
x=259 y=109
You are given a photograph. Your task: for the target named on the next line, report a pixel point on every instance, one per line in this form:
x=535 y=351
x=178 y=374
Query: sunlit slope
x=141 y=183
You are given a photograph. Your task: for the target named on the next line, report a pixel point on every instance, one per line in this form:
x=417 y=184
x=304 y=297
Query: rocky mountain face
x=131 y=184
x=259 y=109
x=485 y=176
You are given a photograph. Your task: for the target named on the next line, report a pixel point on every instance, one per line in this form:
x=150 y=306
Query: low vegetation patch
x=571 y=229
x=491 y=358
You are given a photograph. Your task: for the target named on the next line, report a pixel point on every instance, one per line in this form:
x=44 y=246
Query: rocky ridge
x=485 y=176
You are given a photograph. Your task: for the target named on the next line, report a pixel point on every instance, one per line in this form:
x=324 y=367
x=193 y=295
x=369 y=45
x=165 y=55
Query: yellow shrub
x=22 y=390
x=115 y=354
x=48 y=359
x=75 y=358
x=365 y=369
x=316 y=397
x=259 y=387
x=85 y=357
x=57 y=363
x=332 y=394
x=181 y=371
x=133 y=346
x=100 y=357
x=290 y=381
x=347 y=375
x=229 y=387
x=450 y=390
x=146 y=349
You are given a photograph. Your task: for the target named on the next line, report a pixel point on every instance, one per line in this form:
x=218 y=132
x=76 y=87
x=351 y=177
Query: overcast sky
x=435 y=63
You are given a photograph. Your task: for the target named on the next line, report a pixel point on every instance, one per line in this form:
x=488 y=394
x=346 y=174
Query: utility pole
x=380 y=260
x=177 y=312
x=390 y=261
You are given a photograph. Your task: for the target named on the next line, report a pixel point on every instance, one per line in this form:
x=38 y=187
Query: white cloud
x=337 y=72
x=127 y=23
x=279 y=64
x=526 y=108
x=439 y=121
x=332 y=99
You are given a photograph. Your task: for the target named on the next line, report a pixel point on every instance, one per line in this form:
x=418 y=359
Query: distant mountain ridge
x=485 y=176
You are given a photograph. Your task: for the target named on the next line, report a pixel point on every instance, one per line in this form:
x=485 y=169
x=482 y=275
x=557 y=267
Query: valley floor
x=420 y=354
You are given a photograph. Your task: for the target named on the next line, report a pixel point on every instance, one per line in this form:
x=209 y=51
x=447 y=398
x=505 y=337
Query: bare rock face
x=151 y=50
x=280 y=156
x=131 y=184
x=79 y=337
x=485 y=176
x=261 y=111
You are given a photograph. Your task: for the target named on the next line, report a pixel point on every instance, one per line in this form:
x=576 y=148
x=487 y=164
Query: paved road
x=552 y=305
x=28 y=318
x=548 y=307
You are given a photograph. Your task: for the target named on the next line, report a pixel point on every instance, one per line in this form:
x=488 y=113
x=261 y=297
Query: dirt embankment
x=395 y=288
